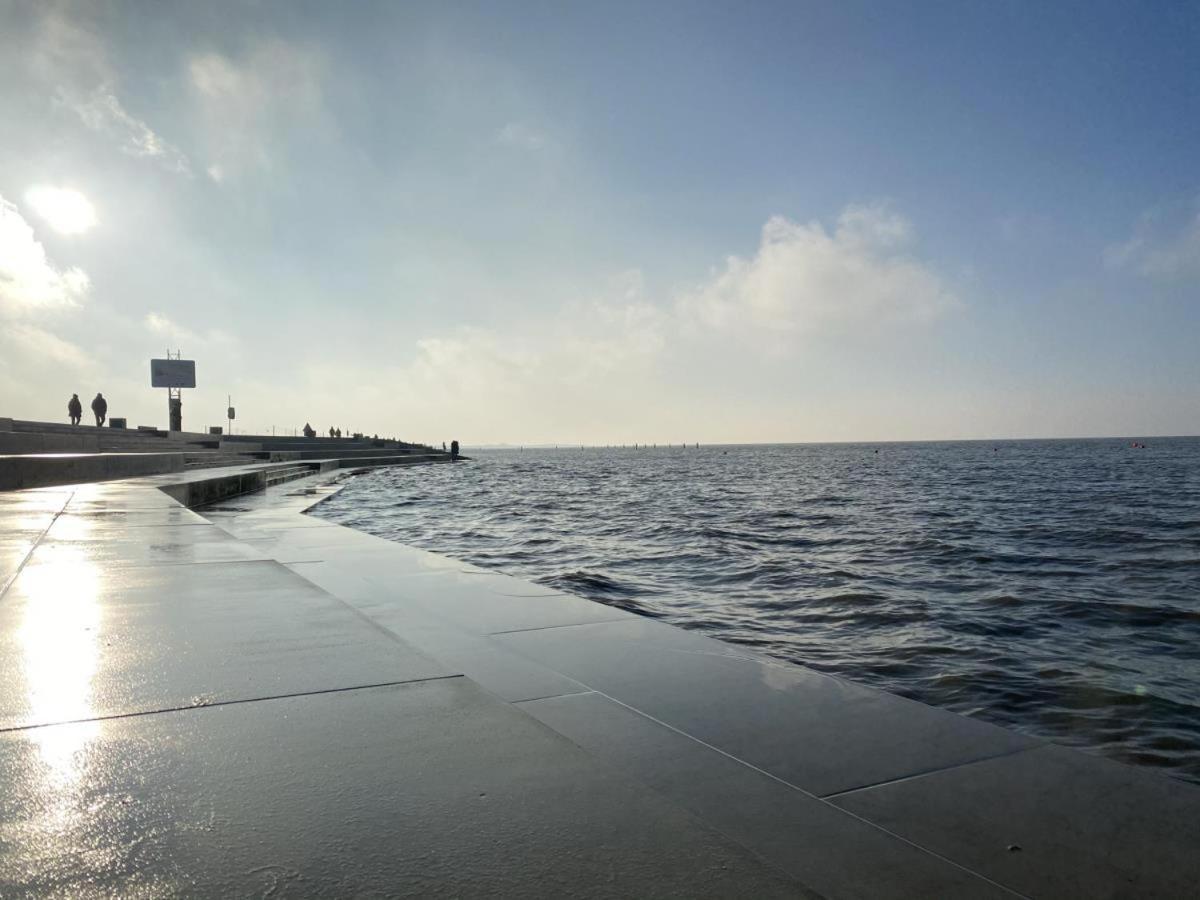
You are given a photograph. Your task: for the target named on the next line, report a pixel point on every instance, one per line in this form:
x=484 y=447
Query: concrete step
x=43 y=469
x=287 y=473
x=213 y=460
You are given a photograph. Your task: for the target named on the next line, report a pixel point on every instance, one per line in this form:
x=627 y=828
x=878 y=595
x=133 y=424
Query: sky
x=599 y=223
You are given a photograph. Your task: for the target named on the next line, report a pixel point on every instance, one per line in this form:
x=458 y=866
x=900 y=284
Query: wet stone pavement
x=244 y=700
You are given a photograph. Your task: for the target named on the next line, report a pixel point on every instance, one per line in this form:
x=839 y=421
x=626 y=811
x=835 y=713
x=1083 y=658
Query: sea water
x=1048 y=586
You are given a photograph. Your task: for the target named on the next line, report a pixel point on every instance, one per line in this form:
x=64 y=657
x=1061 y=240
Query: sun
x=66 y=210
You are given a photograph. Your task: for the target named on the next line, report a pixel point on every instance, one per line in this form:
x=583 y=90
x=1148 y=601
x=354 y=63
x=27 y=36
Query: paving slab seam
x=550 y=627
x=235 y=702
x=554 y=696
x=926 y=773
x=790 y=786
x=25 y=559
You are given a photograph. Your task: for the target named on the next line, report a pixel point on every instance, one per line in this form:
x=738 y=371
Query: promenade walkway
x=244 y=700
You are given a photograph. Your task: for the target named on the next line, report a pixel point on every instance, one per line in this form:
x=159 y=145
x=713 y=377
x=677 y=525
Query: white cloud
x=100 y=110
x=1166 y=256
x=28 y=279
x=75 y=61
x=246 y=102
x=615 y=358
x=516 y=134
x=804 y=279
x=66 y=210
x=179 y=335
x=32 y=342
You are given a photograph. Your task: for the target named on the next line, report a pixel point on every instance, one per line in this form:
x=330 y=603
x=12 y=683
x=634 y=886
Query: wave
x=1054 y=592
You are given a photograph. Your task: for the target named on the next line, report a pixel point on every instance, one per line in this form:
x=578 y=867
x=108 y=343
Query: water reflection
x=59 y=642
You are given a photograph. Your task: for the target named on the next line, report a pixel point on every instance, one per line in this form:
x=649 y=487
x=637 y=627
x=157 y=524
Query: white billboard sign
x=173 y=373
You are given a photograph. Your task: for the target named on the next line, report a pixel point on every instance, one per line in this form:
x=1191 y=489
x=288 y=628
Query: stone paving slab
x=15 y=521
x=1085 y=827
x=173 y=545
x=432 y=789
x=801 y=834
x=305 y=544
x=250 y=526
x=482 y=603
x=79 y=525
x=122 y=497
x=818 y=733
x=32 y=502
x=504 y=673
x=15 y=547
x=78 y=641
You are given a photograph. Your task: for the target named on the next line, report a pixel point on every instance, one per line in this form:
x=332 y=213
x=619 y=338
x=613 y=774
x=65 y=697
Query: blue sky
x=608 y=222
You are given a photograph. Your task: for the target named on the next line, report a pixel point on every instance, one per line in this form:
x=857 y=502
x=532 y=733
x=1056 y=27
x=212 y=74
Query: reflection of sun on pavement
x=59 y=644
x=72 y=528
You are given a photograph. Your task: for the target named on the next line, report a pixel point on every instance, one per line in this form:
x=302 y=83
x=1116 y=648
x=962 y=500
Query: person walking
x=75 y=409
x=100 y=408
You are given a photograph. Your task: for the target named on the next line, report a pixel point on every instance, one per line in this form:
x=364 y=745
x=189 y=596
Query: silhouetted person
x=309 y=431
x=331 y=434
x=454 y=449
x=75 y=409
x=100 y=408
x=339 y=432
x=443 y=446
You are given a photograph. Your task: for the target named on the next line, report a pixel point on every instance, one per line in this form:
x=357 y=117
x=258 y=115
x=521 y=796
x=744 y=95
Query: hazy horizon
x=793 y=223
x=677 y=445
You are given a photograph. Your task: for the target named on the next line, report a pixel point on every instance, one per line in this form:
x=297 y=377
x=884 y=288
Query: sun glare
x=60 y=654
x=67 y=211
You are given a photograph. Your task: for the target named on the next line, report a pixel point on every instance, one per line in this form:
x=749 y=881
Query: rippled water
x=1050 y=586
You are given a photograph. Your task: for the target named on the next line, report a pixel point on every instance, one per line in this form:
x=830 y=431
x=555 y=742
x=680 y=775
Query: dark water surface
x=1049 y=586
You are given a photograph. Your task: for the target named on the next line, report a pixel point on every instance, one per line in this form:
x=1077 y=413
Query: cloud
x=162 y=326
x=587 y=344
x=28 y=279
x=804 y=279
x=75 y=61
x=515 y=134
x=564 y=374
x=1168 y=256
x=40 y=344
x=100 y=110
x=247 y=103
x=623 y=360
x=33 y=359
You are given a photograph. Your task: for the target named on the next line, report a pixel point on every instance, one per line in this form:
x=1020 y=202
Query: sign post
x=230 y=413
x=174 y=374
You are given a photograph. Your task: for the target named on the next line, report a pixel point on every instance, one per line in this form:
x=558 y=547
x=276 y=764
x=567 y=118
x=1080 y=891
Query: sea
x=1050 y=586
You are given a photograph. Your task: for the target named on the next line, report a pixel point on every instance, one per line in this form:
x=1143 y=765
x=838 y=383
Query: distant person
x=309 y=431
x=331 y=434
x=443 y=446
x=75 y=409
x=100 y=408
x=339 y=433
x=454 y=449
